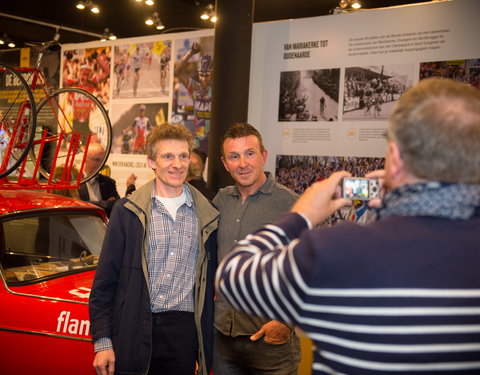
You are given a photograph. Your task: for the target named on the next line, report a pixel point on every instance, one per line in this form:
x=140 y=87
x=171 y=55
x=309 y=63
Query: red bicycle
x=51 y=138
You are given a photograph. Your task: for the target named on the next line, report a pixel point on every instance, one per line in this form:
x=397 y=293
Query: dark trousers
x=241 y=356
x=175 y=344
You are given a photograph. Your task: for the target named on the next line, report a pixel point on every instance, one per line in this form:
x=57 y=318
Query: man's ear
x=265 y=156
x=397 y=165
x=224 y=163
x=151 y=163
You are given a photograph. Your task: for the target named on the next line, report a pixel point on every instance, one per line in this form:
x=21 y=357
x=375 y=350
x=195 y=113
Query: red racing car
x=49 y=248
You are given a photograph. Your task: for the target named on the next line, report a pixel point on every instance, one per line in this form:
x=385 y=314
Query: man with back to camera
x=397 y=296
x=151 y=305
x=246 y=344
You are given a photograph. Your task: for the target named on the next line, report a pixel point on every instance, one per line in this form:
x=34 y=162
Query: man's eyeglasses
x=204 y=75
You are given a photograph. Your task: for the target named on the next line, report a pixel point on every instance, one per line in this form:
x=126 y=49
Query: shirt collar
x=93 y=180
x=186 y=190
x=266 y=188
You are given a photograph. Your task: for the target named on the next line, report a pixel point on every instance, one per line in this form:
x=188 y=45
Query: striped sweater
x=398 y=296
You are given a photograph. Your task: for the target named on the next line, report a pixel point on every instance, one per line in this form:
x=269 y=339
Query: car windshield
x=34 y=247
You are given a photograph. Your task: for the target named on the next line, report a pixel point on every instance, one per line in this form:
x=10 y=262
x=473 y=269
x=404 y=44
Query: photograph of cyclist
x=370 y=92
x=193 y=71
x=131 y=123
x=120 y=68
x=137 y=63
x=88 y=69
x=139 y=128
x=164 y=70
x=141 y=70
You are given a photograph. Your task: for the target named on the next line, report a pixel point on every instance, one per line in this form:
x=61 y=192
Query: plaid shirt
x=172 y=256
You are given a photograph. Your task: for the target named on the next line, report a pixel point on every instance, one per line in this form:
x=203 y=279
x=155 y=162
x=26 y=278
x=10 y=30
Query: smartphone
x=357 y=188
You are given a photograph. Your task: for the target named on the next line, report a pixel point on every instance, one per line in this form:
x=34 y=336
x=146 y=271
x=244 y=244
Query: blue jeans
x=241 y=356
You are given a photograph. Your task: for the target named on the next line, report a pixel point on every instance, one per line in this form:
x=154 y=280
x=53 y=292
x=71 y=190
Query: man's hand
x=318 y=202
x=195 y=48
x=273 y=332
x=104 y=362
x=380 y=175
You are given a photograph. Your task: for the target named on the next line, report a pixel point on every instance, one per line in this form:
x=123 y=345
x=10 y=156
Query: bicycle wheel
x=17 y=119
x=67 y=116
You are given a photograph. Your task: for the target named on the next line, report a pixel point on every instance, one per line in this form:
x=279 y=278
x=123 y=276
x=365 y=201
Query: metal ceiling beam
x=52 y=25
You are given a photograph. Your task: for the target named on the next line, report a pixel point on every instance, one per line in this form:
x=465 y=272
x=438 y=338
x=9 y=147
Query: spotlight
x=209 y=13
x=155 y=20
x=88 y=4
x=6 y=40
x=356 y=5
x=345 y=6
x=107 y=35
x=149 y=2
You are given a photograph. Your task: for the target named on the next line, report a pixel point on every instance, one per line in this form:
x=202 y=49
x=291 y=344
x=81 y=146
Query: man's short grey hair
x=436 y=125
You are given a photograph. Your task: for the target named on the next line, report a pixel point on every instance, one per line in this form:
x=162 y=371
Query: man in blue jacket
x=397 y=296
x=151 y=305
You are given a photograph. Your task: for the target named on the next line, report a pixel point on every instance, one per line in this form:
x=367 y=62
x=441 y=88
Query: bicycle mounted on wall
x=45 y=146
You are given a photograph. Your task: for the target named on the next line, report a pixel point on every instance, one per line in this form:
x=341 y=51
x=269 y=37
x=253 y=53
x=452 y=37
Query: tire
x=17 y=116
x=66 y=110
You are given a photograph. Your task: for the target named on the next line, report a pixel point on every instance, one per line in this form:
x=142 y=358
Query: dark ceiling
x=35 y=21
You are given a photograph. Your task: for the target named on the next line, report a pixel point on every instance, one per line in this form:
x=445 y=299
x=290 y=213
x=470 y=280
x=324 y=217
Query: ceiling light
x=345 y=6
x=155 y=20
x=6 y=40
x=149 y=2
x=88 y=4
x=356 y=5
x=209 y=13
x=107 y=35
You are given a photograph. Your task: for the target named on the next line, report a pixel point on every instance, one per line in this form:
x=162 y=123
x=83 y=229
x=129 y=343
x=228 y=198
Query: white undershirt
x=172 y=204
x=93 y=188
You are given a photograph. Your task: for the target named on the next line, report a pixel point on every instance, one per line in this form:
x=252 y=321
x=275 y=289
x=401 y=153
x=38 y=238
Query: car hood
x=74 y=288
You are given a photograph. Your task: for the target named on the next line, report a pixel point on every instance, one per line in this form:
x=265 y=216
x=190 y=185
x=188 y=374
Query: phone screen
x=356 y=188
